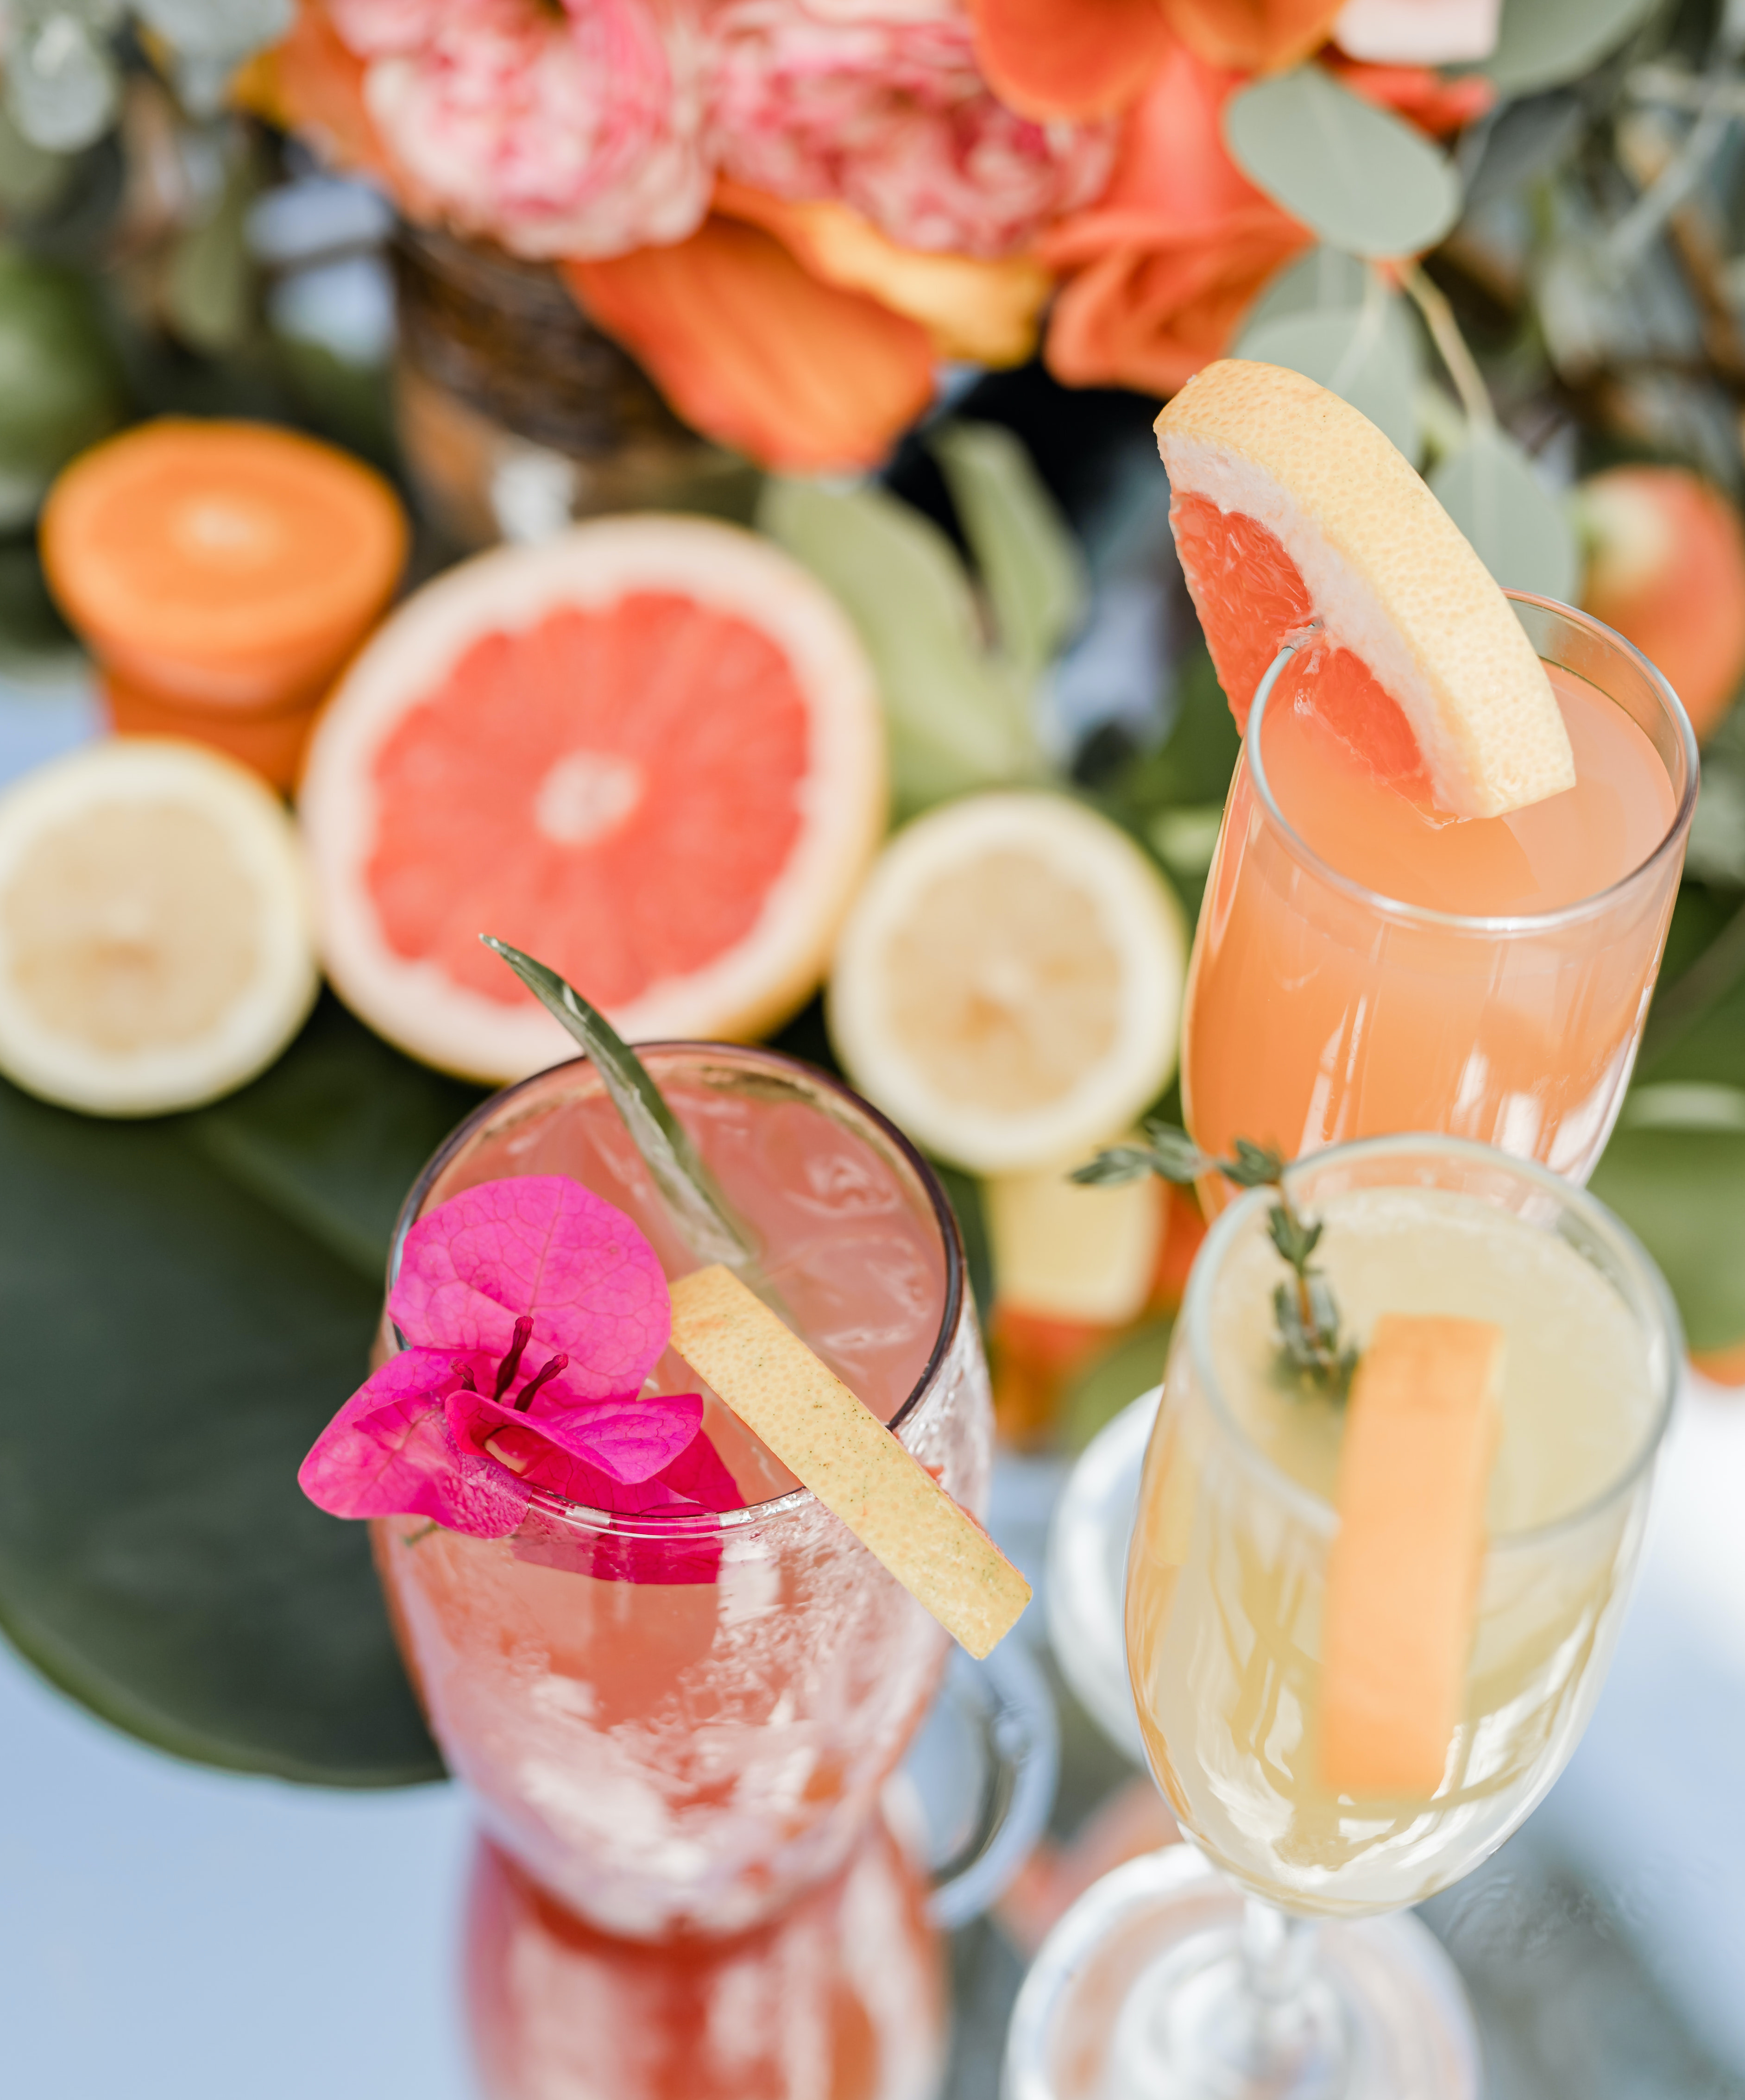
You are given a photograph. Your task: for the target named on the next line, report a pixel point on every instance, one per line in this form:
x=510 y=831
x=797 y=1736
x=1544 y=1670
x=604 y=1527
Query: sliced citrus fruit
x=648 y=752
x=155 y=940
x=1289 y=507
x=1008 y=986
x=1069 y=1252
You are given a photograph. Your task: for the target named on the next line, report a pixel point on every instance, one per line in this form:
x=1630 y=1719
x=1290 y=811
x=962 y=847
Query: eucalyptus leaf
x=705 y=1218
x=1541 y=43
x=1521 y=531
x=1325 y=281
x=958 y=718
x=1359 y=176
x=176 y=1337
x=1674 y=1172
x=1028 y=559
x=1367 y=355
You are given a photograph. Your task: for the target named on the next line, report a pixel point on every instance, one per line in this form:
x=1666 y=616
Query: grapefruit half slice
x=1289 y=507
x=649 y=751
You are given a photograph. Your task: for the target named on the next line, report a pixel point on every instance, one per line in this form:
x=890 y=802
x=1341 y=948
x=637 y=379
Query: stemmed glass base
x=1161 y=1983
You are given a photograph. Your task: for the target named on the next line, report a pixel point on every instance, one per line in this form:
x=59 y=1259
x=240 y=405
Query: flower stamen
x=523 y=1400
x=511 y=1363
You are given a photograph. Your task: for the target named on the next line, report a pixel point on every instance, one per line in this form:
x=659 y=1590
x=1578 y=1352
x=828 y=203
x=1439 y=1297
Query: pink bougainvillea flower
x=534 y=1312
x=557 y=127
x=894 y=119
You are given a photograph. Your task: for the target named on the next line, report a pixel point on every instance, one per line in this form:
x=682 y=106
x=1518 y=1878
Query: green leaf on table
x=1367 y=355
x=1541 y=43
x=958 y=717
x=1358 y=176
x=186 y=1301
x=1674 y=1172
x=1029 y=562
x=1522 y=533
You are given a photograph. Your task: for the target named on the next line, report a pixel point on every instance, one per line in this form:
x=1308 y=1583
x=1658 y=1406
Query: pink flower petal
x=544 y=1245
x=699 y=1474
x=627 y=1438
x=389 y=1453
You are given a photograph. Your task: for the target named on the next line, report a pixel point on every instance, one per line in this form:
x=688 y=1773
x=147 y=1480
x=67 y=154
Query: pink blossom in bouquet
x=819 y=99
x=558 y=129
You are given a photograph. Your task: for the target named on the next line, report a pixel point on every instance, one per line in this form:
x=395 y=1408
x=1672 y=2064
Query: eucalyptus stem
x=1458 y=361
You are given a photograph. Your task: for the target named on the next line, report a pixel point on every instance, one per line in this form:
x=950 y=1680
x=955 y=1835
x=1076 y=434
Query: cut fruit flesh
x=1008 y=986
x=1064 y=1252
x=1290 y=507
x=155 y=941
x=649 y=751
x=1420 y=1439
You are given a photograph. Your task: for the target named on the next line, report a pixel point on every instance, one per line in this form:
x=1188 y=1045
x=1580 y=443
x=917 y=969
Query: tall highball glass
x=677 y=1725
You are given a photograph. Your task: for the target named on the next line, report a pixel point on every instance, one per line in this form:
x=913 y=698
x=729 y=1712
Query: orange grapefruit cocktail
x=676 y=1724
x=1452 y=843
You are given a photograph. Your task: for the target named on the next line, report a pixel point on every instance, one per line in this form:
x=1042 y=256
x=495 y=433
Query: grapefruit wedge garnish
x=1290 y=509
x=649 y=751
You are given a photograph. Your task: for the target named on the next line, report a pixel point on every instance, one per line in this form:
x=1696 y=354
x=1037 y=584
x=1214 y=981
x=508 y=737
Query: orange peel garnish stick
x=1401 y=1576
x=839 y=1449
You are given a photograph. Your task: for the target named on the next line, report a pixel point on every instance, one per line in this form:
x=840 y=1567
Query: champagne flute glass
x=1322 y=1007
x=1270 y=1960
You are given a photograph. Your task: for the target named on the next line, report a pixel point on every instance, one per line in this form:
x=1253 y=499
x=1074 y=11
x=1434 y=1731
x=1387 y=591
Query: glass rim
x=1508 y=923
x=1321 y=1515
x=708 y=1525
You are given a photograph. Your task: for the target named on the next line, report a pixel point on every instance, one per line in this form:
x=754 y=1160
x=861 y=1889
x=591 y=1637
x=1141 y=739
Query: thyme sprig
x=1307 y=1314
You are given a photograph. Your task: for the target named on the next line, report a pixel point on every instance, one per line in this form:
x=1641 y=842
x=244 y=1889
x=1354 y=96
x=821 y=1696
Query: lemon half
x=1008 y=986
x=156 y=947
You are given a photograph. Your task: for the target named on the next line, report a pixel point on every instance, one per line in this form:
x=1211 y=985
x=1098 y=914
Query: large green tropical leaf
x=184 y=1303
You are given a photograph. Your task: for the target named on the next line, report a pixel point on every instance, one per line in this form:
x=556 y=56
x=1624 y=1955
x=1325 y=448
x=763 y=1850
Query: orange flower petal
x=1068 y=58
x=1418 y=93
x=985 y=312
x=753 y=350
x=1254 y=35
x=1149 y=314
x=313 y=83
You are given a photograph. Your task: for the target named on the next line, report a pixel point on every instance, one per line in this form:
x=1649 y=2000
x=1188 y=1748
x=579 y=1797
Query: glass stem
x=1278 y=1964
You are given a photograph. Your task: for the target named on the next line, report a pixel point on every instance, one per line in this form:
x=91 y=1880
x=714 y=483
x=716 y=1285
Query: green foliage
x=1360 y=177
x=186 y=1301
x=1522 y=533
x=1542 y=43
x=1028 y=559
x=958 y=710
x=60 y=388
x=1367 y=352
